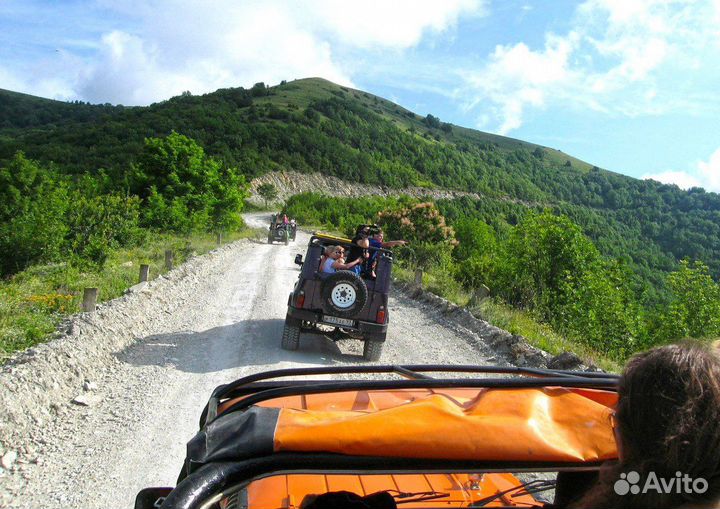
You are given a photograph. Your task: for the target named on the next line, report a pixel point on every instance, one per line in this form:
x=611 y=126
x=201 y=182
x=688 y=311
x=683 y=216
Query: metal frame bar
x=259 y=387
x=211 y=479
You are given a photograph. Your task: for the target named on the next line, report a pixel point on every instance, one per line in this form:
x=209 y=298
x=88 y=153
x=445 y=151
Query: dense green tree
x=694 y=307
x=185 y=190
x=33 y=202
x=268 y=192
x=539 y=254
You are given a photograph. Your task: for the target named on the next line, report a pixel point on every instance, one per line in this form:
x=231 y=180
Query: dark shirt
x=373 y=253
x=355 y=251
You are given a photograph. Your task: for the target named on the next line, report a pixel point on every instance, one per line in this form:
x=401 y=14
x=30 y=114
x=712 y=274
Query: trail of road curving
x=148 y=400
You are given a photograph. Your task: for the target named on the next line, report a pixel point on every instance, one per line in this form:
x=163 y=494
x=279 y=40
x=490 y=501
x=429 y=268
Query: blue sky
x=627 y=85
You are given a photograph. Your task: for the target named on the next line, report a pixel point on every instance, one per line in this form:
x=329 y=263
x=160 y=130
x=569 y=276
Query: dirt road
x=145 y=405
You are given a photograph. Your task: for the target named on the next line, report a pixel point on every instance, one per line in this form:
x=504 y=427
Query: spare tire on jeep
x=344 y=294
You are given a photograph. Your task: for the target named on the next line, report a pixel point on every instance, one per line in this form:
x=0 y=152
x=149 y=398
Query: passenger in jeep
x=377 y=240
x=667 y=423
x=335 y=260
x=359 y=249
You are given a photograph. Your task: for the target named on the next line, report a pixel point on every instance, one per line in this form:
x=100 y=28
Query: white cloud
x=618 y=59
x=397 y=24
x=710 y=172
x=679 y=178
x=165 y=47
x=516 y=77
x=706 y=175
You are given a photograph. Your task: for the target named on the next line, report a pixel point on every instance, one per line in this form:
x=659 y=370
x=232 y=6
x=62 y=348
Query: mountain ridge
x=313 y=125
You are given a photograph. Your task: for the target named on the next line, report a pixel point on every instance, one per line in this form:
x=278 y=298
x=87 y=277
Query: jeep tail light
x=380 y=317
x=300 y=300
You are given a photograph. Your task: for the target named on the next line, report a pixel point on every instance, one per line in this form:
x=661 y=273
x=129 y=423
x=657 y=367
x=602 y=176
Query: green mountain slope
x=314 y=125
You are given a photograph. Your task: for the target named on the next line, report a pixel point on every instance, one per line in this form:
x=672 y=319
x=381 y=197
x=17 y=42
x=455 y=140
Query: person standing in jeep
x=359 y=248
x=368 y=236
x=377 y=241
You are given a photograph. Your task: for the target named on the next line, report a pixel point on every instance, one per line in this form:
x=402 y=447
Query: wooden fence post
x=89 y=300
x=219 y=238
x=169 y=258
x=144 y=272
x=418 y=277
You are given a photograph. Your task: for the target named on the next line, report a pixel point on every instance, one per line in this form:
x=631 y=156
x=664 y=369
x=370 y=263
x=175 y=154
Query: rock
x=137 y=288
x=82 y=400
x=565 y=360
x=89 y=386
x=127 y=264
x=8 y=460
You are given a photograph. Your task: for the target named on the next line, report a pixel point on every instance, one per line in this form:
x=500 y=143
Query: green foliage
x=543 y=264
x=431 y=241
x=599 y=308
x=34 y=301
x=539 y=254
x=476 y=252
x=268 y=192
x=98 y=223
x=694 y=307
x=313 y=125
x=183 y=190
x=33 y=202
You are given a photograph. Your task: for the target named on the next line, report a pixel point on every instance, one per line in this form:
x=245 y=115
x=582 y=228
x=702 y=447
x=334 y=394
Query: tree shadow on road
x=247 y=343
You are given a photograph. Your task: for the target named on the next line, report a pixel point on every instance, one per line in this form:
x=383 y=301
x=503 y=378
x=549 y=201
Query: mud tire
x=290 y=337
x=344 y=294
x=372 y=350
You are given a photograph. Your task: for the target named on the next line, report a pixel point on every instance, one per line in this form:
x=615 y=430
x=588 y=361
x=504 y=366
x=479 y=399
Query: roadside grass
x=513 y=320
x=34 y=301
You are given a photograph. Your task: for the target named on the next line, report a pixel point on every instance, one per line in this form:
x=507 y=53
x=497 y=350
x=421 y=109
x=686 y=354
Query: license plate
x=346 y=322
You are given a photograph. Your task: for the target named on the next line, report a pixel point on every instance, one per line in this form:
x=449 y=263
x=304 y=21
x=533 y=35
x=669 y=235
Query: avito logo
x=630 y=483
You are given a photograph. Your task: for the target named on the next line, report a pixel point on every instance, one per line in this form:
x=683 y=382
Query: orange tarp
x=548 y=424
x=460 y=490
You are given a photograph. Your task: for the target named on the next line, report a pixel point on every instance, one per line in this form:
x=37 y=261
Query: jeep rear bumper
x=369 y=330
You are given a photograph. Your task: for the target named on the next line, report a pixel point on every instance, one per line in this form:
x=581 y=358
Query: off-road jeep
x=411 y=436
x=341 y=305
x=279 y=232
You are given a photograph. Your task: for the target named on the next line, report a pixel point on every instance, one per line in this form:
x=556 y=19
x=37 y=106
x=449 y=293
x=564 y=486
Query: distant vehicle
x=279 y=232
x=342 y=305
x=415 y=436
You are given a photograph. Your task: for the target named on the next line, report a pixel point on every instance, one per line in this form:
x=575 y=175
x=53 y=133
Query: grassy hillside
x=314 y=125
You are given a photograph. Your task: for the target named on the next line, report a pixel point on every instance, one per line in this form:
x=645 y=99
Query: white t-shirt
x=327 y=266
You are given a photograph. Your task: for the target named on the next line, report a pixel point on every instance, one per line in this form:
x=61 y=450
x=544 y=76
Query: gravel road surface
x=130 y=428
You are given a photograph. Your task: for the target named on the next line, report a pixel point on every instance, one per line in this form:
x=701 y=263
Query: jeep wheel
x=372 y=350
x=344 y=294
x=290 y=337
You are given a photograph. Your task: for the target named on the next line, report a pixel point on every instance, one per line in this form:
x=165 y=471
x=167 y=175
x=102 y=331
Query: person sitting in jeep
x=359 y=249
x=335 y=260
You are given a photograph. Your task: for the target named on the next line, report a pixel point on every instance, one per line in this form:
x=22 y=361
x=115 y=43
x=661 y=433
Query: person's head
x=334 y=252
x=667 y=421
x=668 y=412
x=363 y=229
x=378 y=234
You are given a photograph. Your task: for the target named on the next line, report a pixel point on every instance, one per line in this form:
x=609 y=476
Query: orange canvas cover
x=455 y=490
x=537 y=424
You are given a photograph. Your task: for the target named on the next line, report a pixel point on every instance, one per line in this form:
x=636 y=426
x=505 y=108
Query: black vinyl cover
x=234 y=436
